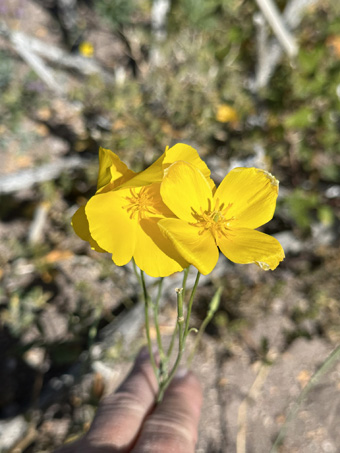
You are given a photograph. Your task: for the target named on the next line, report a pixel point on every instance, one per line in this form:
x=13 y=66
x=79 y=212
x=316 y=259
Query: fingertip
x=186 y=378
x=186 y=383
x=173 y=425
x=121 y=414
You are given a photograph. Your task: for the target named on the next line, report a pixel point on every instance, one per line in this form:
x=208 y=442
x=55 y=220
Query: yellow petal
x=246 y=246
x=186 y=191
x=188 y=154
x=155 y=254
x=111 y=170
x=81 y=227
x=111 y=226
x=252 y=194
x=197 y=249
x=155 y=172
x=152 y=192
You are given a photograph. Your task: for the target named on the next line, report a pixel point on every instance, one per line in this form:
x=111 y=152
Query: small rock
x=289 y=242
x=11 y=431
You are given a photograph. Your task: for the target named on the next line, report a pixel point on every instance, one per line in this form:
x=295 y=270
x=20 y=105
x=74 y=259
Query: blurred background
x=241 y=86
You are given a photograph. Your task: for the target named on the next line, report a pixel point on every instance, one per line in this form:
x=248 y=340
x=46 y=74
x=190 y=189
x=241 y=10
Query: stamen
x=215 y=220
x=141 y=203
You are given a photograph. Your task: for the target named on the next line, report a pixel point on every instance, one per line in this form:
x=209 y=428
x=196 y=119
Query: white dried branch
x=274 y=19
x=26 y=179
x=56 y=55
x=270 y=51
x=159 y=14
x=22 y=47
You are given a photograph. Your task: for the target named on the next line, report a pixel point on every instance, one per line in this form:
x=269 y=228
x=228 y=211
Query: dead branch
x=21 y=46
x=26 y=179
x=54 y=54
x=270 y=50
x=274 y=19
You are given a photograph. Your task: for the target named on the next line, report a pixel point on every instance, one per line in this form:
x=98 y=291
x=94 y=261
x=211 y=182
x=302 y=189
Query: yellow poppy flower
x=226 y=218
x=122 y=217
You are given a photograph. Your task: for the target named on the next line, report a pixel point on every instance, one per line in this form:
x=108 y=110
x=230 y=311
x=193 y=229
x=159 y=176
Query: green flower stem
x=135 y=270
x=155 y=307
x=174 y=333
x=184 y=282
x=186 y=330
x=213 y=307
x=183 y=331
x=180 y=322
x=172 y=342
x=147 y=324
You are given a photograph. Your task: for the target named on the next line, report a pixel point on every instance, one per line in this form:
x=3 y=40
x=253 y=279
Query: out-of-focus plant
x=117 y=13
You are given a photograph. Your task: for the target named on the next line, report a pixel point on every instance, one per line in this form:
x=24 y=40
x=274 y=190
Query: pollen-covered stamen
x=140 y=203
x=215 y=220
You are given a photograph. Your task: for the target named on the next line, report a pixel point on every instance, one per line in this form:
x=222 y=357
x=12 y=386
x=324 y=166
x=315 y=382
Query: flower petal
x=81 y=227
x=111 y=170
x=197 y=249
x=252 y=194
x=184 y=152
x=111 y=225
x=185 y=191
x=246 y=246
x=155 y=253
x=155 y=172
x=152 y=191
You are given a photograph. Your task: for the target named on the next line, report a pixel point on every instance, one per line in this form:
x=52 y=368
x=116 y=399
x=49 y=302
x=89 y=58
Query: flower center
x=215 y=220
x=141 y=204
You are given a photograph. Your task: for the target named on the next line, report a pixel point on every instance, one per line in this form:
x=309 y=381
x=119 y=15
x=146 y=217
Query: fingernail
x=181 y=373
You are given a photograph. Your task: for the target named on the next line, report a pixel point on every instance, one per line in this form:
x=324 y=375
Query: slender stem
x=187 y=322
x=213 y=307
x=172 y=341
x=136 y=271
x=198 y=338
x=155 y=308
x=329 y=362
x=147 y=324
x=184 y=282
x=174 y=333
x=180 y=322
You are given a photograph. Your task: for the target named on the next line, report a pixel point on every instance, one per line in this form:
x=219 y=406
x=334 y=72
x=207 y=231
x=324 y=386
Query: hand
x=129 y=420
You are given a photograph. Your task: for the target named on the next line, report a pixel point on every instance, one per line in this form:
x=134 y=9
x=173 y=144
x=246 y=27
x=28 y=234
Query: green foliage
x=300 y=119
x=200 y=14
x=301 y=206
x=6 y=70
x=306 y=208
x=117 y=12
x=20 y=313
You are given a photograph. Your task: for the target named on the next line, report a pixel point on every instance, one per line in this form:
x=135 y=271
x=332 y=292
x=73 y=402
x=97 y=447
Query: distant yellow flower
x=122 y=217
x=86 y=49
x=225 y=114
x=225 y=218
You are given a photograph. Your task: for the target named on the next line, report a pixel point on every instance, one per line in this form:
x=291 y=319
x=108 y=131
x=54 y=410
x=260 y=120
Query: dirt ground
x=72 y=322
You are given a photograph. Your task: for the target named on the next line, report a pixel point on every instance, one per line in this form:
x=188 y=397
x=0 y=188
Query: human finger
x=173 y=425
x=120 y=415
